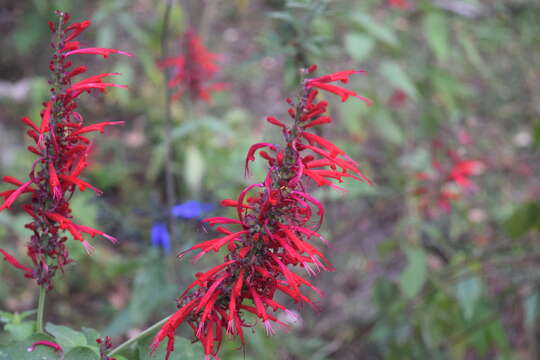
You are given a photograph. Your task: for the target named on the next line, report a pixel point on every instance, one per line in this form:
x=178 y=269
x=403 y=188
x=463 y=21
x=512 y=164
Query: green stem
x=137 y=337
x=41 y=309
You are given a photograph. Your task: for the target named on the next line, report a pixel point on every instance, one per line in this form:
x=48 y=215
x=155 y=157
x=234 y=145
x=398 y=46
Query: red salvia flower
x=62 y=150
x=276 y=222
x=194 y=69
x=399 y=4
x=449 y=178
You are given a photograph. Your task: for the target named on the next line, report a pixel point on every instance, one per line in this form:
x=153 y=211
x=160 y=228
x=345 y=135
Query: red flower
x=446 y=182
x=62 y=152
x=399 y=4
x=193 y=70
x=277 y=220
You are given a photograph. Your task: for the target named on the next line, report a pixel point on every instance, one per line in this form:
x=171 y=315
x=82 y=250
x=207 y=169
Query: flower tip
x=268 y=327
x=88 y=248
x=125 y=53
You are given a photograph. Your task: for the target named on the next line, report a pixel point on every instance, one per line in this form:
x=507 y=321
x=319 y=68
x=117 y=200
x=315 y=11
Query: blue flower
x=192 y=209
x=160 y=237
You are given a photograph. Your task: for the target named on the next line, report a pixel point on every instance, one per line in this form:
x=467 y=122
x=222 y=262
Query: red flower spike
x=62 y=151
x=193 y=69
x=448 y=180
x=278 y=219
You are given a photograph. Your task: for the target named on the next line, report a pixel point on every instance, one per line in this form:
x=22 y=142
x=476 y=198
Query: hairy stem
x=137 y=337
x=41 y=309
x=169 y=176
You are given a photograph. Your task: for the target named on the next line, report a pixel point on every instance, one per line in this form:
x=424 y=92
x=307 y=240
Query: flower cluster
x=193 y=69
x=62 y=148
x=449 y=178
x=272 y=232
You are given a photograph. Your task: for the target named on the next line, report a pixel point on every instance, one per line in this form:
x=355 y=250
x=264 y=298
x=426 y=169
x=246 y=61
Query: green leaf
x=82 y=353
x=66 y=337
x=20 y=331
x=6 y=317
x=381 y=32
x=436 y=31
x=19 y=350
x=183 y=350
x=282 y=16
x=194 y=168
x=91 y=335
x=388 y=128
x=395 y=75
x=412 y=279
x=468 y=292
x=524 y=218
x=359 y=46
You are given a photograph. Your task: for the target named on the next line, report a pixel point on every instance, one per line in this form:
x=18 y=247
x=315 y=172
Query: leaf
x=388 y=128
x=82 y=353
x=6 y=317
x=66 y=337
x=19 y=350
x=412 y=279
x=381 y=32
x=91 y=335
x=282 y=16
x=468 y=293
x=194 y=168
x=359 y=46
x=20 y=331
x=399 y=78
x=524 y=218
x=183 y=350
x=436 y=31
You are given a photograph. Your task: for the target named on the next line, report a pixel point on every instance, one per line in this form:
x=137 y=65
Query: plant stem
x=41 y=309
x=169 y=176
x=137 y=337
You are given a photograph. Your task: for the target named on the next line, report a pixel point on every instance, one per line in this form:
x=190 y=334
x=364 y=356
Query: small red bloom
x=448 y=180
x=50 y=344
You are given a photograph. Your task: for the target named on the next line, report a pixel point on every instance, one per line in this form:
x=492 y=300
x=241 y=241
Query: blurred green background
x=409 y=284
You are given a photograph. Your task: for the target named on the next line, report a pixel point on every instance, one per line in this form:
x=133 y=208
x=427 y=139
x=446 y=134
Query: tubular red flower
x=97 y=51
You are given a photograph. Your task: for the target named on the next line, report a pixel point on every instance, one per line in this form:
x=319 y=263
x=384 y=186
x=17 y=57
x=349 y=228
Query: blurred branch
x=169 y=177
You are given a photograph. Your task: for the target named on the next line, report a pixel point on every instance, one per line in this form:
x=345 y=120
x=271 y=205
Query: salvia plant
x=194 y=69
x=62 y=148
x=276 y=221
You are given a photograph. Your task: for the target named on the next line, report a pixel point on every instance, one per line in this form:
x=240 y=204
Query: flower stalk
x=126 y=344
x=41 y=310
